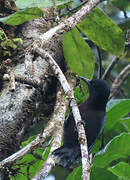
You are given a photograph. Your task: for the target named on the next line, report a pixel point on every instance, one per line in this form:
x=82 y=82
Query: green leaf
x=27 y=165
x=78 y=54
x=121 y=170
x=22 y=4
x=22 y=16
x=24 y=143
x=103 y=32
x=7 y=53
x=76 y=174
x=116 y=112
x=27 y=159
x=18 y=40
x=101 y=174
x=126 y=123
x=118 y=147
x=35 y=168
x=39 y=151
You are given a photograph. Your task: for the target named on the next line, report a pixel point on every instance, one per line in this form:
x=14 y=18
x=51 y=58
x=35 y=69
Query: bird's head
x=99 y=91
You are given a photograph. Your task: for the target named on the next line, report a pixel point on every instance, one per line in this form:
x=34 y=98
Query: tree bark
x=17 y=108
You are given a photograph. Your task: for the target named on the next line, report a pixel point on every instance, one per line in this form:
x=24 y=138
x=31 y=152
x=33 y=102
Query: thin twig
x=119 y=80
x=69 y=92
x=125 y=14
x=110 y=67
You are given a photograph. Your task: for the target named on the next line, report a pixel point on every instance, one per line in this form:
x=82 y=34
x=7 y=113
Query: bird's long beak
x=85 y=80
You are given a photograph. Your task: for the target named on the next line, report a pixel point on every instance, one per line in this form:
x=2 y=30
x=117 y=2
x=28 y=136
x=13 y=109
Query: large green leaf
x=22 y=4
x=118 y=147
x=116 y=112
x=22 y=16
x=103 y=32
x=121 y=170
x=101 y=174
x=78 y=54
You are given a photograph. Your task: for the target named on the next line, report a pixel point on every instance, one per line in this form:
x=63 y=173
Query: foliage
x=7 y=45
x=30 y=164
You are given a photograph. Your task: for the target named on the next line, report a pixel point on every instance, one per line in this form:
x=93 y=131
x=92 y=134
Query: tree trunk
x=17 y=108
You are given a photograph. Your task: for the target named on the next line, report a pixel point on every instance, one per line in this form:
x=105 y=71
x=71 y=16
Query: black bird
x=93 y=115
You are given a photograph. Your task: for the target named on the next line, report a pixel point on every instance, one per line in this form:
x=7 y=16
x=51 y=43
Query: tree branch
x=61 y=105
x=110 y=67
x=119 y=80
x=69 y=92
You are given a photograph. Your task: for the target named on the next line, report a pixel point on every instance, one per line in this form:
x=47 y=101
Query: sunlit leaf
x=78 y=54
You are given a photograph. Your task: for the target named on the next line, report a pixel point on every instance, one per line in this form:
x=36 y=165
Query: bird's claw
x=67 y=156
